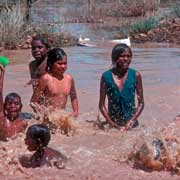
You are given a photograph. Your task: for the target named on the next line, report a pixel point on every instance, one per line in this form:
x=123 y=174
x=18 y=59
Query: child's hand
x=178 y=118
x=74 y=114
x=36 y=107
x=129 y=125
x=2 y=67
x=122 y=129
x=28 y=83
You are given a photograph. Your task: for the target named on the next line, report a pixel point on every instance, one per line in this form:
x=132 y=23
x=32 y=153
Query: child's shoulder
x=21 y=121
x=134 y=72
x=107 y=73
x=53 y=153
x=33 y=63
x=17 y=123
x=68 y=77
x=137 y=73
x=46 y=76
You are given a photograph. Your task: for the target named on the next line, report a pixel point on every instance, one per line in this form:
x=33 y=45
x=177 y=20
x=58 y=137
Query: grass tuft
x=146 y=25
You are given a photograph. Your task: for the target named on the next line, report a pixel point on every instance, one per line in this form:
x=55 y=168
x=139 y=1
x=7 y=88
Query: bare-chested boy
x=37 y=67
x=10 y=121
x=55 y=85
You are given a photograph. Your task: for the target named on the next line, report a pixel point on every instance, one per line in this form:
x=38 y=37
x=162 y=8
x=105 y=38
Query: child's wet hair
x=118 y=50
x=54 y=55
x=42 y=39
x=40 y=134
x=12 y=96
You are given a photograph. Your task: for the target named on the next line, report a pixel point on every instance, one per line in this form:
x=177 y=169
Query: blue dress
x=121 y=103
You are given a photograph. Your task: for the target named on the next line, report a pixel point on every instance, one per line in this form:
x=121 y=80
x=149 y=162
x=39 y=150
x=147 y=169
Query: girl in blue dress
x=120 y=85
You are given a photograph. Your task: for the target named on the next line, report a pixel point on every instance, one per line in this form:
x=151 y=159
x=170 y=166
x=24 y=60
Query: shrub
x=12 y=26
x=145 y=26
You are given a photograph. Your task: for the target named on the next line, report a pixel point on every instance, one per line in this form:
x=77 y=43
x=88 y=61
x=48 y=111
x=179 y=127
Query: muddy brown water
x=97 y=154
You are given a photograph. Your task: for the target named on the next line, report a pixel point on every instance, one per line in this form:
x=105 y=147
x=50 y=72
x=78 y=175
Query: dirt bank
x=168 y=31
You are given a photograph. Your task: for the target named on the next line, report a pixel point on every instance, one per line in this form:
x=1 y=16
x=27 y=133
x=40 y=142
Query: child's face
x=59 y=67
x=31 y=145
x=13 y=108
x=124 y=60
x=39 y=50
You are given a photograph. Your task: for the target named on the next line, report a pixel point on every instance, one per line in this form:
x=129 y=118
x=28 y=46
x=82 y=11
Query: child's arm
x=37 y=92
x=31 y=64
x=2 y=118
x=74 y=100
x=102 y=107
x=2 y=70
x=140 y=98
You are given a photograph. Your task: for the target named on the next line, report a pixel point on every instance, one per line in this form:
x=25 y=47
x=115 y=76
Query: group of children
x=52 y=87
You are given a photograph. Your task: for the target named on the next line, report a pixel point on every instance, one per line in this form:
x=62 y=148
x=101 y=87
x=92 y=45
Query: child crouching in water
x=55 y=84
x=37 y=139
x=10 y=121
x=120 y=84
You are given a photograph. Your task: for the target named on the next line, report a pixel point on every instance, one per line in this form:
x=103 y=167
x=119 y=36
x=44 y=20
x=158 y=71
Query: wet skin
x=38 y=66
x=119 y=73
x=43 y=155
x=12 y=124
x=56 y=87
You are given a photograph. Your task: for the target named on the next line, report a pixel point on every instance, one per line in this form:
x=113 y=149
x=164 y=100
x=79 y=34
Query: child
x=56 y=85
x=10 y=121
x=37 y=139
x=119 y=84
x=40 y=48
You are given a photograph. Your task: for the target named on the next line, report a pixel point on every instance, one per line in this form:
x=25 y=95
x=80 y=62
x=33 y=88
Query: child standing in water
x=119 y=84
x=37 y=67
x=56 y=85
x=37 y=139
x=10 y=121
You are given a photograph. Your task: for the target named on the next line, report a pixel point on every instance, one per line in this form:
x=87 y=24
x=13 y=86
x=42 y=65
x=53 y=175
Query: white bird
x=125 y=41
x=83 y=40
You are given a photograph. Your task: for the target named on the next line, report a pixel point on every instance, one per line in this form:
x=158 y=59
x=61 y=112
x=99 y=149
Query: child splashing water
x=37 y=139
x=10 y=121
x=119 y=84
x=55 y=84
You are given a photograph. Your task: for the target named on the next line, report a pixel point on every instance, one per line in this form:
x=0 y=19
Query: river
x=94 y=152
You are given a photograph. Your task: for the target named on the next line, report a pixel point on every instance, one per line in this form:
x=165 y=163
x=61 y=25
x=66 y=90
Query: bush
x=12 y=26
x=145 y=26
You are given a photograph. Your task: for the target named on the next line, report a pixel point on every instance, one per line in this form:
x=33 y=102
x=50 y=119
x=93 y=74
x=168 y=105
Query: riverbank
x=168 y=31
